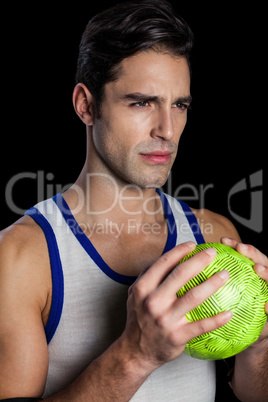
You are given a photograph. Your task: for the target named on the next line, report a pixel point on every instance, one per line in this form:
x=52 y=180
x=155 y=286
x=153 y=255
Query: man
x=66 y=267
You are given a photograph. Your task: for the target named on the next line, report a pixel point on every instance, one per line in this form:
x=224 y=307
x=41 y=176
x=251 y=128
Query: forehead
x=152 y=72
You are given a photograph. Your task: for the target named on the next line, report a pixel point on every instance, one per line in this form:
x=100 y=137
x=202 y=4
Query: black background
x=223 y=143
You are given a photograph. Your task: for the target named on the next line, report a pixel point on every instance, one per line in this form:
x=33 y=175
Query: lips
x=157 y=157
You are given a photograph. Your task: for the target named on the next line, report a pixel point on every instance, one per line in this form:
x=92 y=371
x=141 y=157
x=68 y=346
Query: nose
x=163 y=126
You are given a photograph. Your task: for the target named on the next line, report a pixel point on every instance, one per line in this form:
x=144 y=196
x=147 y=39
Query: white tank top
x=88 y=308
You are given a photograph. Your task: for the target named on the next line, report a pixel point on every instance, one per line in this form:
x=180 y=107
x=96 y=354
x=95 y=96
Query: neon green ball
x=245 y=294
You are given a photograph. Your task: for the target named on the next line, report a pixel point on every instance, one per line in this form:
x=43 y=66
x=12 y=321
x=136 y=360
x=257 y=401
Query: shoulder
x=24 y=261
x=24 y=240
x=215 y=226
x=19 y=234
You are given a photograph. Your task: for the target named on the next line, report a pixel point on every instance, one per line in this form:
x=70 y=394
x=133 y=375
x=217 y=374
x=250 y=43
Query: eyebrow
x=140 y=97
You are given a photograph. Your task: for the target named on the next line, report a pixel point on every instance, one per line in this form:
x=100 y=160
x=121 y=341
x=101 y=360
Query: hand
x=261 y=267
x=157 y=330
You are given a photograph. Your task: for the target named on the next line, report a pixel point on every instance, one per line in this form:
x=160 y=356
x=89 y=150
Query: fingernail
x=227 y=240
x=259 y=268
x=243 y=246
x=211 y=251
x=190 y=244
x=228 y=315
x=223 y=274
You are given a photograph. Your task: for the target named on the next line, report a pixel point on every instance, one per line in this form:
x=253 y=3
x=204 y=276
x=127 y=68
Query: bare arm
x=250 y=379
x=23 y=347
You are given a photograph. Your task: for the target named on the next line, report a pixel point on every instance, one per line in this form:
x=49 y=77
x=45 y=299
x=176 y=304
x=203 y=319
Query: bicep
x=23 y=360
x=23 y=346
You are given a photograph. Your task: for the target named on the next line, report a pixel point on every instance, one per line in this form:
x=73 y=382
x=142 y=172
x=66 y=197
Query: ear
x=84 y=104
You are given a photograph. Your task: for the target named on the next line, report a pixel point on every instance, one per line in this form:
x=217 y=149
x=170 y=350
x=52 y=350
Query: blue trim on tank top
x=194 y=225
x=56 y=272
x=56 y=267
x=171 y=224
x=91 y=250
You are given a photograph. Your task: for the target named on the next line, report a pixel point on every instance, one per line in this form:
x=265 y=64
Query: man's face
x=142 y=118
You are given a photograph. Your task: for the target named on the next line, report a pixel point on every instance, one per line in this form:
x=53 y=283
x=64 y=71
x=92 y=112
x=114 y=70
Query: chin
x=149 y=186
x=148 y=180
x=157 y=181
x=152 y=183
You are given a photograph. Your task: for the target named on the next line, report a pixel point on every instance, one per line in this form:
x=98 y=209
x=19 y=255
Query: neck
x=97 y=197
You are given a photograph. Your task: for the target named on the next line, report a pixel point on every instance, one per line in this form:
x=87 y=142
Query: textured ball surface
x=245 y=294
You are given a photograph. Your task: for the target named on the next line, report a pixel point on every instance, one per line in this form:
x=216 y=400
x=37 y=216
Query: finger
x=197 y=295
x=262 y=271
x=166 y=294
x=206 y=325
x=137 y=280
x=253 y=253
x=196 y=328
x=229 y=242
x=247 y=250
x=153 y=276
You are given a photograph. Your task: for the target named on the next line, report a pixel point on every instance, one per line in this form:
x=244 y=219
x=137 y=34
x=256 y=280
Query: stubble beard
x=143 y=176
x=130 y=169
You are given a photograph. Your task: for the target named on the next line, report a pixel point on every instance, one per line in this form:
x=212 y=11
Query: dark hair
x=124 y=30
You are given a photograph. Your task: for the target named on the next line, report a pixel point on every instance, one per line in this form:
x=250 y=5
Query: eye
x=182 y=106
x=141 y=104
